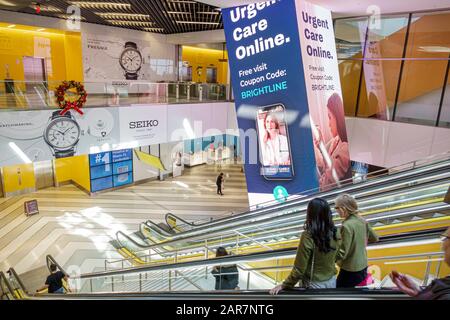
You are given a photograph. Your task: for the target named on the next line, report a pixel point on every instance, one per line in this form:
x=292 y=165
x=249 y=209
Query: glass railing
x=41 y=94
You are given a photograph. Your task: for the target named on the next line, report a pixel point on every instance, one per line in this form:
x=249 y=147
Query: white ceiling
x=355 y=7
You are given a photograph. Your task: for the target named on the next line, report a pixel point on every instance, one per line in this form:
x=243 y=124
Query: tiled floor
x=76 y=228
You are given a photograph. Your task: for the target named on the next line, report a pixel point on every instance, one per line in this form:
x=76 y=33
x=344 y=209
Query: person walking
x=219 y=183
x=54 y=281
x=227 y=276
x=316 y=254
x=352 y=254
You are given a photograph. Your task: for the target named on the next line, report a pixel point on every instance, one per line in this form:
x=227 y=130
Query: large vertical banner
x=324 y=94
x=272 y=58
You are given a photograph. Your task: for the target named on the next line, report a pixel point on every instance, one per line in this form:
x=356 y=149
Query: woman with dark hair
x=316 y=254
x=227 y=276
x=333 y=163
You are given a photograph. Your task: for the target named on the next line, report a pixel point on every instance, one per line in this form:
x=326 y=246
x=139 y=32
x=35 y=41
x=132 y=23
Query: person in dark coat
x=227 y=276
x=219 y=183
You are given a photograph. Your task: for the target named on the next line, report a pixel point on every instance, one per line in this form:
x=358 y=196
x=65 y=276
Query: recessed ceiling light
x=40 y=29
x=178 y=12
x=130 y=23
x=153 y=29
x=113 y=15
x=101 y=5
x=197 y=22
x=11 y=26
x=209 y=12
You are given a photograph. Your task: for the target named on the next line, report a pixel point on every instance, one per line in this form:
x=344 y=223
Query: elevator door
x=35 y=81
x=43 y=173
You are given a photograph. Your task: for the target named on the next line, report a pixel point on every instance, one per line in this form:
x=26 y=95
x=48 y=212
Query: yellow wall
x=61 y=50
x=200 y=57
x=73 y=169
x=18 y=177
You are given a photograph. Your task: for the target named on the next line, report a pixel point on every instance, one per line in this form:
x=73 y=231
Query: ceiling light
x=131 y=23
x=209 y=12
x=40 y=29
x=153 y=29
x=7 y=3
x=69 y=16
x=178 y=12
x=182 y=1
x=197 y=22
x=11 y=26
x=101 y=5
x=132 y=16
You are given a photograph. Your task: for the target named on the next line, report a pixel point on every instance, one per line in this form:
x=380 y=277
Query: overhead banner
x=284 y=71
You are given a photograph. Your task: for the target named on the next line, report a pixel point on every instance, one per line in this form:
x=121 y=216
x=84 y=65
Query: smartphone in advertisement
x=274 y=144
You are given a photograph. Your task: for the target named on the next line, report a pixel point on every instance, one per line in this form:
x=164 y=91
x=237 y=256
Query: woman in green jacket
x=355 y=234
x=316 y=254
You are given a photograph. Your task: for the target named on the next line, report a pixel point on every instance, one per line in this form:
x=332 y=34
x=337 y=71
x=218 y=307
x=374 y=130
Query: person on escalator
x=439 y=289
x=227 y=276
x=54 y=281
x=352 y=254
x=315 y=261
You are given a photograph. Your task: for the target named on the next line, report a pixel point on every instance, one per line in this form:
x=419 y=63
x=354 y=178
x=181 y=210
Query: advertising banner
x=284 y=70
x=145 y=124
x=324 y=94
x=116 y=58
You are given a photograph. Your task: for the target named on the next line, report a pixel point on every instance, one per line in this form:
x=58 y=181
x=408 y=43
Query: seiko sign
x=143 y=124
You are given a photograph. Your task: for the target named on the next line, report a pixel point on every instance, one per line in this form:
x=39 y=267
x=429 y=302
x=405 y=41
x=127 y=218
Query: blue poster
x=122 y=167
x=99 y=158
x=101 y=184
x=122 y=179
x=101 y=171
x=271 y=99
x=121 y=155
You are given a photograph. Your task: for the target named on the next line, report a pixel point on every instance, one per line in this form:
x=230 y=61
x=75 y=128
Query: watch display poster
x=111 y=169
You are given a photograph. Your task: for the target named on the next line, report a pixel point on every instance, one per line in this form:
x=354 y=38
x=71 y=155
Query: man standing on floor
x=219 y=183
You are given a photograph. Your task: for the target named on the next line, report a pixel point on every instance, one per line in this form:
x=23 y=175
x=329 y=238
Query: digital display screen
x=121 y=155
x=122 y=167
x=101 y=184
x=123 y=179
x=97 y=159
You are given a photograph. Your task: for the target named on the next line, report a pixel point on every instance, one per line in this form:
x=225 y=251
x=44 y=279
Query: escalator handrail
x=345 y=187
x=18 y=280
x=170 y=214
x=223 y=230
x=5 y=280
x=265 y=211
x=50 y=260
x=256 y=256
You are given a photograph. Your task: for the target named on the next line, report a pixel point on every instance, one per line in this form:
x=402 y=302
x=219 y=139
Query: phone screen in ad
x=274 y=145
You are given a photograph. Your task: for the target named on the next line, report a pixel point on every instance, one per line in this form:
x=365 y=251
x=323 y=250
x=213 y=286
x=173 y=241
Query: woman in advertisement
x=275 y=149
x=332 y=156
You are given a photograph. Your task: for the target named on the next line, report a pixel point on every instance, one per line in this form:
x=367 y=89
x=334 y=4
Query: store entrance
x=44 y=174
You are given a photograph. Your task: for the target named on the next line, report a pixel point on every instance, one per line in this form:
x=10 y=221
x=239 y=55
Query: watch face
x=131 y=60
x=62 y=133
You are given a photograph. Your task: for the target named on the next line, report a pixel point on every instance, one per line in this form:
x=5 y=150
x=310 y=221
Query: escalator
x=143 y=282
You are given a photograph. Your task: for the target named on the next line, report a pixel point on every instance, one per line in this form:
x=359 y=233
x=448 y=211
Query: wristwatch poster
x=131 y=60
x=62 y=134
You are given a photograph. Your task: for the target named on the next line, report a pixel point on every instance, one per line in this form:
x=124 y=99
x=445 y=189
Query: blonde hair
x=346 y=202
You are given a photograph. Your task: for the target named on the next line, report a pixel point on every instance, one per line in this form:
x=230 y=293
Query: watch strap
x=131 y=76
x=57 y=114
x=130 y=44
x=65 y=153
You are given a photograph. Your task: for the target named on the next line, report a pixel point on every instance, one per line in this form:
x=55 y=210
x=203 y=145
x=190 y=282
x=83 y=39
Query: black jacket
x=227 y=277
x=439 y=289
